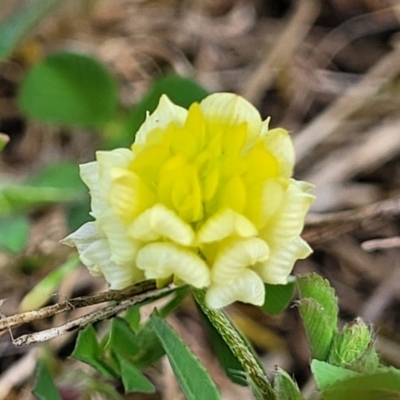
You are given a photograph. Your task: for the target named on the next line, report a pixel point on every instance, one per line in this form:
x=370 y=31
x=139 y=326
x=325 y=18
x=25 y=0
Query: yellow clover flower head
x=205 y=196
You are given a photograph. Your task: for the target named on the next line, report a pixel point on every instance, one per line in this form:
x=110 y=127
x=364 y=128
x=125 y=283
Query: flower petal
x=95 y=253
x=165 y=113
x=89 y=173
x=280 y=263
x=288 y=221
x=82 y=239
x=123 y=248
x=246 y=287
x=272 y=197
x=96 y=175
x=129 y=194
x=235 y=257
x=107 y=160
x=279 y=144
x=223 y=110
x=160 y=222
x=224 y=224
x=161 y=260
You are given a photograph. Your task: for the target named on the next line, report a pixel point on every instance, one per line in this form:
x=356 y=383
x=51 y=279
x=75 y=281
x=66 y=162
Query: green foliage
x=44 y=388
x=353 y=348
x=21 y=22
x=122 y=338
x=70 y=89
x=285 y=387
x=326 y=374
x=88 y=350
x=61 y=175
x=278 y=297
x=192 y=376
x=14 y=232
x=46 y=288
x=16 y=198
x=132 y=379
x=56 y=183
x=318 y=309
x=340 y=383
x=150 y=347
x=127 y=348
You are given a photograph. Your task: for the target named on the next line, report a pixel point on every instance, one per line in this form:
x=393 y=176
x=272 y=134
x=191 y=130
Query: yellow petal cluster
x=204 y=196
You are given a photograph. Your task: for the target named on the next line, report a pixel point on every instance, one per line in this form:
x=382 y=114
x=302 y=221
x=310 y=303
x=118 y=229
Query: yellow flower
x=205 y=196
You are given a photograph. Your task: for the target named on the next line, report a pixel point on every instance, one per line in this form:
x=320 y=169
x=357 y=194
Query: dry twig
x=322 y=227
x=122 y=300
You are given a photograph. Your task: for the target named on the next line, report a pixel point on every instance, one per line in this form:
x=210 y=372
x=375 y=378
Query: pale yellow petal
x=288 y=221
x=280 y=263
x=278 y=142
x=123 y=248
x=246 y=287
x=129 y=194
x=107 y=160
x=89 y=173
x=160 y=222
x=222 y=110
x=224 y=224
x=165 y=113
x=272 y=197
x=118 y=276
x=162 y=260
x=113 y=158
x=236 y=256
x=81 y=239
x=95 y=253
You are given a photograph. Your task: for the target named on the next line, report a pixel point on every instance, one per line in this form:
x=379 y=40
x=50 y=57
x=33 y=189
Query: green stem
x=238 y=347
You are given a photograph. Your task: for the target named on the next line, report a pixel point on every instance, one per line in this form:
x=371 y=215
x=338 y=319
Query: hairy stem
x=260 y=385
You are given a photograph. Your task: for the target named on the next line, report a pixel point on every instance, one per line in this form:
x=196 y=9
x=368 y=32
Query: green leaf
x=88 y=350
x=21 y=22
x=318 y=309
x=192 y=376
x=14 y=232
x=44 y=388
x=178 y=296
x=181 y=91
x=63 y=174
x=353 y=348
x=383 y=384
x=122 y=339
x=15 y=198
x=146 y=340
x=78 y=213
x=44 y=290
x=230 y=364
x=132 y=379
x=150 y=347
x=285 y=387
x=132 y=317
x=70 y=89
x=278 y=297
x=326 y=374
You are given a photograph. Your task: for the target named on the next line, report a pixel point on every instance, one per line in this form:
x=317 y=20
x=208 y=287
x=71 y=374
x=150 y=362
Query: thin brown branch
x=141 y=288
x=322 y=227
x=90 y=318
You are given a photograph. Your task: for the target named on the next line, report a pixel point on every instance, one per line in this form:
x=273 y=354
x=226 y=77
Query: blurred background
x=328 y=71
